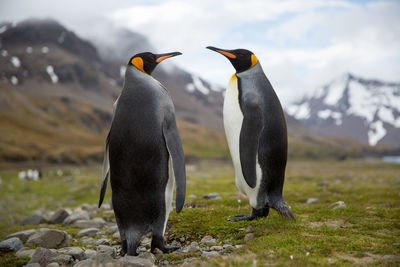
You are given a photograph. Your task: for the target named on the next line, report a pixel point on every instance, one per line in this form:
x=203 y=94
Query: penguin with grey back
x=144 y=156
x=255 y=128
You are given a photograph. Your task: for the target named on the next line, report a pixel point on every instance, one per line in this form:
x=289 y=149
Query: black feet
x=158 y=242
x=249 y=217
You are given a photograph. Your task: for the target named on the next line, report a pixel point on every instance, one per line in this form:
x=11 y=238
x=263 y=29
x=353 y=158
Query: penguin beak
x=227 y=53
x=161 y=57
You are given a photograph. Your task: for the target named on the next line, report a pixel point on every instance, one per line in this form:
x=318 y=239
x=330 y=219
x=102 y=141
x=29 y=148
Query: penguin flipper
x=174 y=146
x=106 y=170
x=249 y=139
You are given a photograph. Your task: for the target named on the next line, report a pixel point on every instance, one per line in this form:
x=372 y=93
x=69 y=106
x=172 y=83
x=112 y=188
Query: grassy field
x=360 y=234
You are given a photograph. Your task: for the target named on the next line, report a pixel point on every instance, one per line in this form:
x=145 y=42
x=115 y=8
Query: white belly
x=233 y=118
x=169 y=192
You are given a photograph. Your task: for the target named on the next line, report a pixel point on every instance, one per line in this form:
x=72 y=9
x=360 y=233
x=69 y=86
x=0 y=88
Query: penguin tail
x=283 y=210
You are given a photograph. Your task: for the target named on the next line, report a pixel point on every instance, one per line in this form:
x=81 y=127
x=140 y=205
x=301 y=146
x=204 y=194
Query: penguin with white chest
x=255 y=129
x=144 y=156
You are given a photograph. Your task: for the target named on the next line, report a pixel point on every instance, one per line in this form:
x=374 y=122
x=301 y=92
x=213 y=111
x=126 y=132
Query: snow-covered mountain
x=367 y=110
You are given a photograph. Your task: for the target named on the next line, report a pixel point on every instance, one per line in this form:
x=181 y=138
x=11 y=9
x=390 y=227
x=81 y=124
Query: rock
x=82 y=215
x=33 y=265
x=396 y=244
x=135 y=261
x=148 y=256
x=193 y=249
x=49 y=238
x=106 y=206
x=89 y=253
x=23 y=235
x=209 y=254
x=323 y=183
x=34 y=219
x=87 y=232
x=228 y=247
x=208 y=240
x=107 y=250
x=212 y=196
x=59 y=216
x=43 y=256
x=88 y=207
x=312 y=200
x=88 y=241
x=192 y=196
x=103 y=241
x=238 y=246
x=248 y=237
x=116 y=235
x=25 y=253
x=101 y=259
x=391 y=257
x=53 y=264
x=194 y=244
x=338 y=205
x=11 y=244
x=84 y=263
x=113 y=229
x=216 y=248
x=95 y=223
x=76 y=252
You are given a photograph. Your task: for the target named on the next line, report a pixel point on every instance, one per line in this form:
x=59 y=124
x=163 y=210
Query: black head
x=241 y=59
x=147 y=61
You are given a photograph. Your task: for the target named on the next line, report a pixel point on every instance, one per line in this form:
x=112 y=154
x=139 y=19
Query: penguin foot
x=165 y=249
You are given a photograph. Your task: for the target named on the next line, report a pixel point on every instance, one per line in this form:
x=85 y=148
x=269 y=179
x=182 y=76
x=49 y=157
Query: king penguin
x=144 y=156
x=255 y=129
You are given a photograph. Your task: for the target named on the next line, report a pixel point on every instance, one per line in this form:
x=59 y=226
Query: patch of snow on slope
x=61 y=38
x=4 y=53
x=327 y=113
x=302 y=112
x=14 y=80
x=324 y=114
x=3 y=29
x=53 y=76
x=335 y=90
x=190 y=87
x=376 y=132
x=15 y=61
x=29 y=50
x=45 y=50
x=199 y=85
x=362 y=102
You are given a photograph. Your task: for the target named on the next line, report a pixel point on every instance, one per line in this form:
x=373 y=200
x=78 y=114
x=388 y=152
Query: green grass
x=360 y=234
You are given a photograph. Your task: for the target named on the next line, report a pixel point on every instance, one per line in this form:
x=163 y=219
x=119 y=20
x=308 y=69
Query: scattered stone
x=59 y=216
x=323 y=183
x=103 y=241
x=238 y=246
x=396 y=244
x=182 y=240
x=216 y=248
x=146 y=242
x=106 y=206
x=82 y=215
x=338 y=205
x=391 y=257
x=113 y=229
x=87 y=232
x=53 y=264
x=101 y=259
x=49 y=238
x=76 y=252
x=248 y=229
x=194 y=244
x=84 y=263
x=228 y=247
x=208 y=240
x=192 y=196
x=11 y=244
x=209 y=254
x=23 y=235
x=148 y=256
x=212 y=196
x=248 y=237
x=34 y=219
x=89 y=253
x=193 y=249
x=33 y=265
x=312 y=200
x=43 y=256
x=102 y=249
x=95 y=223
x=88 y=241
x=371 y=212
x=25 y=253
x=116 y=235
x=136 y=261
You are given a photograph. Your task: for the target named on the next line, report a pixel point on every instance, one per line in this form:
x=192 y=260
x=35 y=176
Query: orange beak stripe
x=230 y=55
x=158 y=60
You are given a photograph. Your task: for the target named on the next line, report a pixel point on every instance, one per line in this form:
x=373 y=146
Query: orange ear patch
x=230 y=55
x=254 y=60
x=138 y=63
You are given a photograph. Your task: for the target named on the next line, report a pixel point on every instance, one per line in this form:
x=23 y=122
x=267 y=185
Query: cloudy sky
x=300 y=44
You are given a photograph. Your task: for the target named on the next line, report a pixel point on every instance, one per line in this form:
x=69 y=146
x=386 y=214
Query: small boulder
x=248 y=237
x=208 y=240
x=23 y=235
x=148 y=256
x=34 y=219
x=11 y=244
x=25 y=253
x=135 y=261
x=103 y=241
x=49 y=238
x=95 y=223
x=391 y=258
x=53 y=264
x=338 y=205
x=58 y=216
x=82 y=215
x=113 y=229
x=89 y=253
x=87 y=232
x=216 y=248
x=107 y=250
x=212 y=196
x=76 y=252
x=43 y=256
x=209 y=254
x=312 y=200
